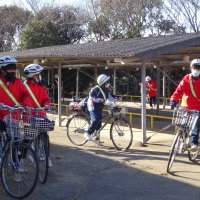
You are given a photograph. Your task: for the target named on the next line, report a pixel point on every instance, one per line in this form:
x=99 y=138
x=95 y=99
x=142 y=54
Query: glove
x=172 y=104
x=47 y=107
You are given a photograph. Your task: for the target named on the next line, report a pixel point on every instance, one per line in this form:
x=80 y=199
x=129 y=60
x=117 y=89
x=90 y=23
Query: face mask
x=195 y=73
x=38 y=79
x=10 y=76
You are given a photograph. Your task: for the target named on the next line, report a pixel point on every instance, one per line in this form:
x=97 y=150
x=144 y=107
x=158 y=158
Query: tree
x=53 y=26
x=184 y=13
x=13 y=19
x=121 y=18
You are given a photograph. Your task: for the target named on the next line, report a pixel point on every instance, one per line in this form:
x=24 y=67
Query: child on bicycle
x=38 y=94
x=12 y=89
x=97 y=98
x=189 y=89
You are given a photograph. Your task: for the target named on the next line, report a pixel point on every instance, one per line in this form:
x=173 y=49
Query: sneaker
x=193 y=147
x=50 y=162
x=88 y=136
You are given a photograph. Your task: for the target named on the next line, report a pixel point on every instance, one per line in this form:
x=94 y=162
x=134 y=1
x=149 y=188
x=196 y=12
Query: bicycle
x=121 y=133
x=184 y=121
x=41 y=143
x=19 y=167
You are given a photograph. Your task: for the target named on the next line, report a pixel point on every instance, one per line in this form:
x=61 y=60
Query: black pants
x=152 y=101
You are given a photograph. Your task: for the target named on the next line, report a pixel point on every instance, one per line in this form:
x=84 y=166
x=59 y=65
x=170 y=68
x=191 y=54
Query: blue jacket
x=95 y=95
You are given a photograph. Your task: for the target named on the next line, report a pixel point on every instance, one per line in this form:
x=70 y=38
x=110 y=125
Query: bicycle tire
x=121 y=134
x=193 y=155
x=42 y=156
x=174 y=150
x=76 y=127
x=19 y=178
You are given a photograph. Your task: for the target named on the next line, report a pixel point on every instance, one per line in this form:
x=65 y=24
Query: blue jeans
x=95 y=121
x=194 y=134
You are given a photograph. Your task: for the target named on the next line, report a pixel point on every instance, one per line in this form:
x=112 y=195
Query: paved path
x=103 y=173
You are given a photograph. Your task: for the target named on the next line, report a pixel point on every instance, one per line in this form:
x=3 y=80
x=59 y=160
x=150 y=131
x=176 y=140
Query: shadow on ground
x=93 y=173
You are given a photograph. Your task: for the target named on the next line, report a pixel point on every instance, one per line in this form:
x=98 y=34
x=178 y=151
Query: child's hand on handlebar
x=46 y=107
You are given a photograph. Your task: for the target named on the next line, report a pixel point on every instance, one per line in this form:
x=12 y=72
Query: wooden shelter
x=159 y=52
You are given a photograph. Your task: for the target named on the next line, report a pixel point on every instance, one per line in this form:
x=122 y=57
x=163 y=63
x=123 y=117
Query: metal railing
x=130 y=114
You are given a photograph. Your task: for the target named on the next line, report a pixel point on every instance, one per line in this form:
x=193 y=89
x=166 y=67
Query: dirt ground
x=94 y=172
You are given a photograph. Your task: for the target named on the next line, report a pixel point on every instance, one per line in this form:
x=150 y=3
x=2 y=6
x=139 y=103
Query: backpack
x=83 y=104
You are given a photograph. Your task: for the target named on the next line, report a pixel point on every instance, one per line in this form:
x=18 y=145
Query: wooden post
x=143 y=101
x=59 y=94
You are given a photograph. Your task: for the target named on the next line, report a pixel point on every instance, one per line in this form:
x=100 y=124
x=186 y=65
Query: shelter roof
x=168 y=50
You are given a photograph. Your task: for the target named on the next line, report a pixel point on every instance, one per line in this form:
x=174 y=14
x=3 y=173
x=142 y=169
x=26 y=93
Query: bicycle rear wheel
x=193 y=155
x=19 y=171
x=76 y=126
x=174 y=149
x=121 y=134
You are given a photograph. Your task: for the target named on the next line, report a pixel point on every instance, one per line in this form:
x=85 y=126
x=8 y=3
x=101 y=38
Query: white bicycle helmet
x=7 y=60
x=195 y=62
x=32 y=69
x=148 y=78
x=102 y=79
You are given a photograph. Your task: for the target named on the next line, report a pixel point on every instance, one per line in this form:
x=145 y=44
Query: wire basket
x=192 y=119
x=20 y=127
x=184 y=118
x=44 y=123
x=74 y=106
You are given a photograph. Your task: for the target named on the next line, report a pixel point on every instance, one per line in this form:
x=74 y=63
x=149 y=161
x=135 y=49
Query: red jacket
x=151 y=86
x=40 y=93
x=184 y=90
x=18 y=90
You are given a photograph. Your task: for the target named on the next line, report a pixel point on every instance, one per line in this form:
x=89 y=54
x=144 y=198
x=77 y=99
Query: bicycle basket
x=74 y=106
x=180 y=117
x=192 y=119
x=43 y=124
x=19 y=127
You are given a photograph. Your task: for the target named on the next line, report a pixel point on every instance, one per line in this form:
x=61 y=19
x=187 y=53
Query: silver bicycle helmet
x=102 y=79
x=7 y=60
x=32 y=69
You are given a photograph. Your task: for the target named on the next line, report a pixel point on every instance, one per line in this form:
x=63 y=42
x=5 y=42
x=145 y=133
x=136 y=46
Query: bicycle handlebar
x=45 y=109
x=12 y=108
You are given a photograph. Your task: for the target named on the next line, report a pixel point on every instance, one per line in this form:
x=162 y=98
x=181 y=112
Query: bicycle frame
x=110 y=118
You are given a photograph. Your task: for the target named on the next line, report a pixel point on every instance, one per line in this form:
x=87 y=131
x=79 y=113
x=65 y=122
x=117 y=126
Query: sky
x=19 y=2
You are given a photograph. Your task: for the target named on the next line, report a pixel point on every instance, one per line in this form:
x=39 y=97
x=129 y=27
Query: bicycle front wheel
x=174 y=149
x=19 y=171
x=121 y=134
x=42 y=155
x=76 y=126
